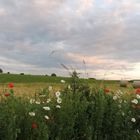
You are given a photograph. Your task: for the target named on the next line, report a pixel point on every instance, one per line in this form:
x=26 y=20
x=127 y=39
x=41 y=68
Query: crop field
x=31 y=84
x=60 y=108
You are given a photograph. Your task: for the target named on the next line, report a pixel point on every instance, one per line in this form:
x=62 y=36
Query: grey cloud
x=31 y=30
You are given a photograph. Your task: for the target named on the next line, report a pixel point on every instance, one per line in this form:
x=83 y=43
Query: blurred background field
x=29 y=85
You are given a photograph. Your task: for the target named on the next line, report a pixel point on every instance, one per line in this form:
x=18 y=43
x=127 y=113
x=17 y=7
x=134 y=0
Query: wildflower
x=46 y=117
x=114 y=97
x=42 y=95
x=133 y=120
x=62 y=81
x=34 y=125
x=59 y=100
x=50 y=88
x=106 y=90
x=69 y=87
x=32 y=101
x=138 y=96
x=7 y=94
x=32 y=114
x=11 y=85
x=138 y=131
x=138 y=91
x=37 y=102
x=57 y=94
x=48 y=100
x=135 y=101
x=58 y=106
x=119 y=92
x=46 y=108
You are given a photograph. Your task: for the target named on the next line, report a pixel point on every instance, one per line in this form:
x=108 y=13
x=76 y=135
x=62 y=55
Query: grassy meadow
x=30 y=84
x=60 y=108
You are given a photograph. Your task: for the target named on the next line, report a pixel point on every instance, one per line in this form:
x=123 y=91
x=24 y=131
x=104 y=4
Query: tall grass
x=78 y=112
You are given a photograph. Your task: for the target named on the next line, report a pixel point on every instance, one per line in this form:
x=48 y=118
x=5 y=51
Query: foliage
x=1 y=71
x=53 y=75
x=75 y=113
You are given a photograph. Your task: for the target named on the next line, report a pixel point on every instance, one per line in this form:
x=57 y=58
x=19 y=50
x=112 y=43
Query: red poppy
x=11 y=85
x=106 y=90
x=7 y=94
x=34 y=125
x=138 y=91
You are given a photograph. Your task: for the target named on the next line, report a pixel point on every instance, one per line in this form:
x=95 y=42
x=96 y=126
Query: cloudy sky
x=98 y=37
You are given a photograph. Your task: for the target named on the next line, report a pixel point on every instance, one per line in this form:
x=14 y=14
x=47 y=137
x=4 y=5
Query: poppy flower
x=138 y=91
x=34 y=125
x=11 y=85
x=106 y=90
x=7 y=94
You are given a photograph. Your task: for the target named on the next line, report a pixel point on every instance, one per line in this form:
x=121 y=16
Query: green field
x=30 y=84
x=77 y=109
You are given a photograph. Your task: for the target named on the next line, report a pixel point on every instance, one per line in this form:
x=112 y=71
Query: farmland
x=29 y=84
x=60 y=108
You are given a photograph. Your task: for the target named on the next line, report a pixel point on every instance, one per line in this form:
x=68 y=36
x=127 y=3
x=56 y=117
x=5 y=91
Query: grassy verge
x=77 y=112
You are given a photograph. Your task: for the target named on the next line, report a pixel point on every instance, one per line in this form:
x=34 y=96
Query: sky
x=98 y=38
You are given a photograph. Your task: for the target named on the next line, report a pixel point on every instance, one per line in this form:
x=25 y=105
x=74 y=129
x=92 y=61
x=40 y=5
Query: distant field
x=30 y=84
x=16 y=78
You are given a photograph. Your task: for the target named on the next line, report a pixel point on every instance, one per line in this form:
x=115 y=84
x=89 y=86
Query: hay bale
x=123 y=83
x=136 y=84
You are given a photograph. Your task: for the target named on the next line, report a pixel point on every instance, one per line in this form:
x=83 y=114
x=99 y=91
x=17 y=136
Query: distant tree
x=46 y=75
x=53 y=74
x=21 y=73
x=92 y=79
x=1 y=71
x=8 y=72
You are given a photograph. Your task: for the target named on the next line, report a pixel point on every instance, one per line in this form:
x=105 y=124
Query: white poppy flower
x=37 y=102
x=48 y=100
x=133 y=120
x=42 y=95
x=69 y=87
x=46 y=108
x=59 y=100
x=135 y=101
x=58 y=106
x=62 y=81
x=46 y=117
x=32 y=114
x=32 y=101
x=50 y=88
x=57 y=94
x=138 y=96
x=114 y=97
x=138 y=131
